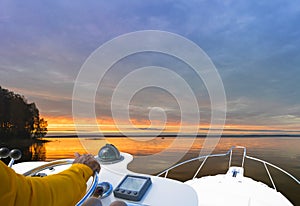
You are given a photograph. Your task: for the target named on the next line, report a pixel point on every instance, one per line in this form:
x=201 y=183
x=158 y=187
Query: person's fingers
x=89 y=156
x=76 y=154
x=94 y=164
x=88 y=160
x=97 y=167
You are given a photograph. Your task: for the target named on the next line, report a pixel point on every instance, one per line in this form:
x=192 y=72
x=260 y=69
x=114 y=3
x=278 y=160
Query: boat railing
x=229 y=153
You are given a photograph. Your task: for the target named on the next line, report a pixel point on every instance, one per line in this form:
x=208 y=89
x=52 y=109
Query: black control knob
x=15 y=154
x=4 y=152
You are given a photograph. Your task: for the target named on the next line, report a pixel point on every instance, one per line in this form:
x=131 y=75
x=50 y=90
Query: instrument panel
x=133 y=187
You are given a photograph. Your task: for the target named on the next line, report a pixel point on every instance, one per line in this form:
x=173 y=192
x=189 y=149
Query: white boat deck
x=232 y=188
x=235 y=191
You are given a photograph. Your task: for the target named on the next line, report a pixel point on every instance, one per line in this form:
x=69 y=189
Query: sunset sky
x=254 y=45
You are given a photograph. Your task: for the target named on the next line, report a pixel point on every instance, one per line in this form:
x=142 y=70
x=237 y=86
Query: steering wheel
x=56 y=163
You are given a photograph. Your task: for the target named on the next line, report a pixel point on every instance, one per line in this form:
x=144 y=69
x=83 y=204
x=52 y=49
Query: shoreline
x=23 y=141
x=172 y=136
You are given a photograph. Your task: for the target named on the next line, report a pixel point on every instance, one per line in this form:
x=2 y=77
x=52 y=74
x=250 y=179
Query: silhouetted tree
x=18 y=119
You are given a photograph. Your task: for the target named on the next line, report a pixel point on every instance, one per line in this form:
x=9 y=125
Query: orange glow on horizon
x=65 y=125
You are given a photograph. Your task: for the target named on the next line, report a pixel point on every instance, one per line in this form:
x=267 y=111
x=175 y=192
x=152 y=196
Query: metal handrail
x=198 y=170
x=194 y=159
x=244 y=154
x=274 y=166
x=229 y=152
x=190 y=160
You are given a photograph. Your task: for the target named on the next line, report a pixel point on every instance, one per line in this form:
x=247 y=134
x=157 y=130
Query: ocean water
x=152 y=155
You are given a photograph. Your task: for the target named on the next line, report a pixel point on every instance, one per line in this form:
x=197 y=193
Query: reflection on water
x=283 y=152
x=37 y=151
x=31 y=150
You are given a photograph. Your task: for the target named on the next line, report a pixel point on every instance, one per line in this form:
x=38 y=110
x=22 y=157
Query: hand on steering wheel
x=88 y=160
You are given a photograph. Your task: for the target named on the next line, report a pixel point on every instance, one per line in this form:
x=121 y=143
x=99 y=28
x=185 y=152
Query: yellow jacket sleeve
x=63 y=189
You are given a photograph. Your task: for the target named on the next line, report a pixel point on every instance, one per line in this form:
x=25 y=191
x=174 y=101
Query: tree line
x=19 y=119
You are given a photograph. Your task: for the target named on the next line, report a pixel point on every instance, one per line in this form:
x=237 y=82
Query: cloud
x=254 y=44
x=262 y=112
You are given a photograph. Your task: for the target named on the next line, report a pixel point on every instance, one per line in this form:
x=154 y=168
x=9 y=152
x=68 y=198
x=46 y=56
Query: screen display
x=133 y=183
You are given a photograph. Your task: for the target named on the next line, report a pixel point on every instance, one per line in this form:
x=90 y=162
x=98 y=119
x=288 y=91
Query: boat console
x=116 y=182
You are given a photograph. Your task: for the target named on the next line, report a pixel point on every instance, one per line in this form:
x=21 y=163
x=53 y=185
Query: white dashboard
x=161 y=192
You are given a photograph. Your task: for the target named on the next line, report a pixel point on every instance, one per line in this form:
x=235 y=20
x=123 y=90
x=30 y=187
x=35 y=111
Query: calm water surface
x=282 y=151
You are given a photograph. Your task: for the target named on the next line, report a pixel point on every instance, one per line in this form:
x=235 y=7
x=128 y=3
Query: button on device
x=135 y=193
x=128 y=192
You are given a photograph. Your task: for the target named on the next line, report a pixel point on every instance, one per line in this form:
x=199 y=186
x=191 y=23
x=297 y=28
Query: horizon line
x=168 y=135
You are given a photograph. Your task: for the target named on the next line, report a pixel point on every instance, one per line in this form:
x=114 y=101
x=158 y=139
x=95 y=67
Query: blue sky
x=255 y=46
